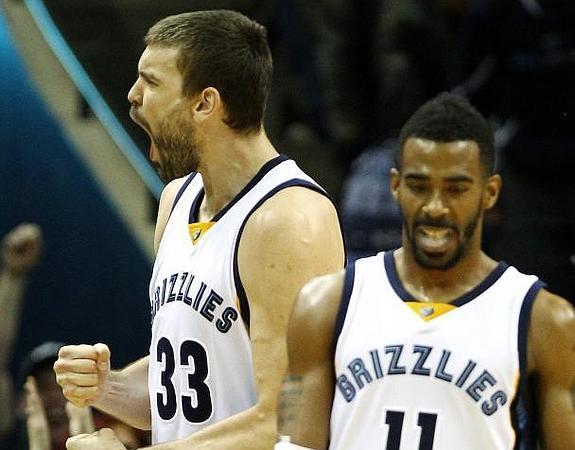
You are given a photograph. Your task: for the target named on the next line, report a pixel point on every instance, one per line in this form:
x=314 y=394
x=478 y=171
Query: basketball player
x=434 y=345
x=240 y=230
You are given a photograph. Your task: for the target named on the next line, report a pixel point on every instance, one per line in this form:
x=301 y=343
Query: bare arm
x=83 y=372
x=307 y=393
x=552 y=360
x=21 y=249
x=126 y=396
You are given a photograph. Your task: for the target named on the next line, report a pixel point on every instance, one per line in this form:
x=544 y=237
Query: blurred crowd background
x=347 y=75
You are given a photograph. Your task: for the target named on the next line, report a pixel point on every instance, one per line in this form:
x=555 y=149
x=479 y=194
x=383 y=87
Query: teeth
x=436 y=233
x=433 y=238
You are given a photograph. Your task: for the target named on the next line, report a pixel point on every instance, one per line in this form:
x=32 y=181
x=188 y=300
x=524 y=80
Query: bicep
x=557 y=411
x=282 y=248
x=306 y=397
x=307 y=392
x=552 y=341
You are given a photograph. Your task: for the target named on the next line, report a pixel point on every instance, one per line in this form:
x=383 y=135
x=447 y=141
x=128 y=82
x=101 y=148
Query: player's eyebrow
x=449 y=179
x=459 y=179
x=416 y=176
x=148 y=76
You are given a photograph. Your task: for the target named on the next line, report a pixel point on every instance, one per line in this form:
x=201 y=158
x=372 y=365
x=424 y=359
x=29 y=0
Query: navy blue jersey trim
x=195 y=207
x=264 y=170
x=244 y=303
x=344 y=302
x=182 y=189
x=404 y=294
x=393 y=277
x=483 y=286
x=524 y=417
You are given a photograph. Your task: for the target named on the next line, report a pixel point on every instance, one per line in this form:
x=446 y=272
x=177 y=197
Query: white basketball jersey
x=200 y=354
x=421 y=376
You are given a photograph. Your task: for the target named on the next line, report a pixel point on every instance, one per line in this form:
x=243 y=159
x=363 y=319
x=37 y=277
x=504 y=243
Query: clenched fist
x=105 y=439
x=82 y=372
x=21 y=248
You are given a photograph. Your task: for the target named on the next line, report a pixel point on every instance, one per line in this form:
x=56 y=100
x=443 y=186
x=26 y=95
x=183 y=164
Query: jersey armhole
x=524 y=417
x=182 y=190
x=347 y=290
x=241 y=292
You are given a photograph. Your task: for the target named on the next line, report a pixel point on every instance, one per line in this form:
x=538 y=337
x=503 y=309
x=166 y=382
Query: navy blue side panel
x=244 y=303
x=182 y=189
x=523 y=414
x=344 y=303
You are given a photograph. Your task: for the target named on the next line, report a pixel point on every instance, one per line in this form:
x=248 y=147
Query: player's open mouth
x=433 y=239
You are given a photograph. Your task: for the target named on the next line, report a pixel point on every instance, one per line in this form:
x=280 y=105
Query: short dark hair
x=225 y=50
x=448 y=118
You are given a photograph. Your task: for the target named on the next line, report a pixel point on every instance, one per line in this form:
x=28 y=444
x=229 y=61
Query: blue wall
x=91 y=285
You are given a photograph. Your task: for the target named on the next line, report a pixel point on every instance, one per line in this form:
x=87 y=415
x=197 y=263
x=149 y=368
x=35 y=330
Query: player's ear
x=492 y=190
x=208 y=101
x=394 y=181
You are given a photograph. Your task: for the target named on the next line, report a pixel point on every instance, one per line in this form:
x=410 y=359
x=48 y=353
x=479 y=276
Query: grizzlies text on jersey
x=431 y=376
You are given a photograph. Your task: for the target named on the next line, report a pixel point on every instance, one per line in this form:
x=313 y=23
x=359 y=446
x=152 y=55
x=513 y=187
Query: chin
x=437 y=261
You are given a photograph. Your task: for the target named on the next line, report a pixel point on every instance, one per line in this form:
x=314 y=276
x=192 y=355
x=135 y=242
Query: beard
x=178 y=147
x=434 y=262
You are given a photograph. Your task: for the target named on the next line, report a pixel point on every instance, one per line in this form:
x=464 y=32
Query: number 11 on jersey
x=425 y=421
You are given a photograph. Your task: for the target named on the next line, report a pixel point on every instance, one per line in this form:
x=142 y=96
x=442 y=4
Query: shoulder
x=552 y=312
x=171 y=190
x=316 y=308
x=298 y=223
x=292 y=237
x=552 y=326
x=167 y=199
x=292 y=209
x=319 y=295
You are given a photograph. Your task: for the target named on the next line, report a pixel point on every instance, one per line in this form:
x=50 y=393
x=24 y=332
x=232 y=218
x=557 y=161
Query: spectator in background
x=40 y=419
x=374 y=224
x=519 y=67
x=20 y=252
x=46 y=419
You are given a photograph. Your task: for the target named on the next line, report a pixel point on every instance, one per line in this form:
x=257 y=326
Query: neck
x=443 y=285
x=227 y=166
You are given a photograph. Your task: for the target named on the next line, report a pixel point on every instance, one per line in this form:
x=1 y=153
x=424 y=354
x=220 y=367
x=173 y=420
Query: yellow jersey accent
x=428 y=310
x=199 y=229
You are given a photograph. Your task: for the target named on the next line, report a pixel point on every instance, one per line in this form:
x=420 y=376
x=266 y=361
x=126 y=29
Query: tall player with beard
x=434 y=345
x=240 y=230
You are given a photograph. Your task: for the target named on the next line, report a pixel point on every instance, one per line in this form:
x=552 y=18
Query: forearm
x=6 y=403
x=252 y=429
x=126 y=395
x=11 y=294
x=558 y=420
